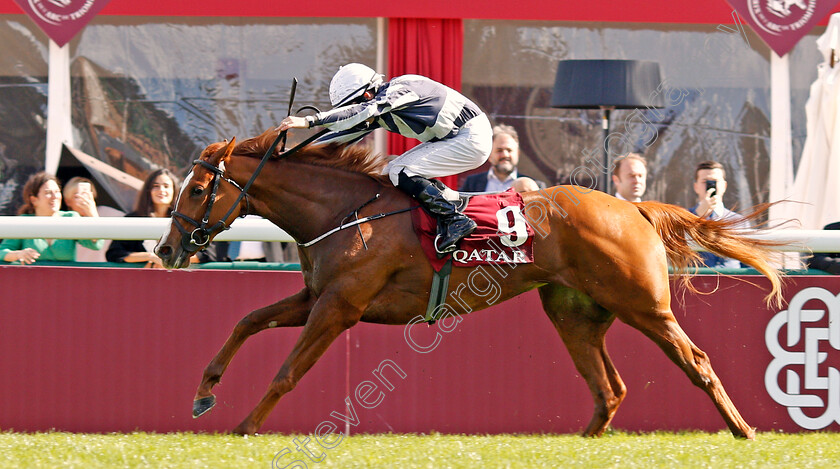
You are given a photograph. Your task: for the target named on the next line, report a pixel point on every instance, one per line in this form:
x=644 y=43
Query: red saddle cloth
x=502 y=237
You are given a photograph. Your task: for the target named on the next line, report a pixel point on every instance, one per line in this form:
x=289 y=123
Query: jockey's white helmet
x=351 y=81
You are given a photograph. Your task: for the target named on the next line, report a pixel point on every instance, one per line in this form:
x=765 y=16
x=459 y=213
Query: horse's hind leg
x=290 y=312
x=648 y=309
x=582 y=325
x=670 y=337
x=330 y=316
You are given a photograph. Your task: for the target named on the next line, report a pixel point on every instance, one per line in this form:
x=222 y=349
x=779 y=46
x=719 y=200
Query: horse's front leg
x=330 y=316
x=290 y=312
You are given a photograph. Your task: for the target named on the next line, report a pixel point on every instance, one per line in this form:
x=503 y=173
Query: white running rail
x=248 y=229
x=128 y=228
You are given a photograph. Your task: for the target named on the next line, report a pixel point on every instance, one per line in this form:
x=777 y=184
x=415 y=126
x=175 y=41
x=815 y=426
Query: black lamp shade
x=617 y=84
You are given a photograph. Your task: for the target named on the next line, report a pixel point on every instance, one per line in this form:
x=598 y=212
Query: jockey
x=456 y=135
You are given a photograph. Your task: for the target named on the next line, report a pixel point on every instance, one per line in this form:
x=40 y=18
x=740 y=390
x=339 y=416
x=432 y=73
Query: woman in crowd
x=156 y=199
x=42 y=198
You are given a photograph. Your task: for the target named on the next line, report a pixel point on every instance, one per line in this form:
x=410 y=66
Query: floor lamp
x=607 y=85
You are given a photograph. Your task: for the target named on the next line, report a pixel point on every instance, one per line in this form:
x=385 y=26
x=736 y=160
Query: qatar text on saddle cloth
x=502 y=237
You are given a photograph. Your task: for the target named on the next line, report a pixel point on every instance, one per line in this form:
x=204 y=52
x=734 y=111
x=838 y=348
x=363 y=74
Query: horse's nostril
x=164 y=252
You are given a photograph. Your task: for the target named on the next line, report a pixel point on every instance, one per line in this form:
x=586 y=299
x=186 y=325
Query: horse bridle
x=192 y=241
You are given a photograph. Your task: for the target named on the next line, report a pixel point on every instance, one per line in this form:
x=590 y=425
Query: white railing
x=128 y=228
x=248 y=229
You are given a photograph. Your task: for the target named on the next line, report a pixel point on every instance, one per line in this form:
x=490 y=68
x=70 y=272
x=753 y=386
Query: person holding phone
x=80 y=196
x=42 y=198
x=710 y=185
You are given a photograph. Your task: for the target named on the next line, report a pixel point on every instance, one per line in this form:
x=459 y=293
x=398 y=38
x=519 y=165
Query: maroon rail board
x=102 y=350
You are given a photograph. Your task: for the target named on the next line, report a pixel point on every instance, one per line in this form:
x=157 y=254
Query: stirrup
x=448 y=250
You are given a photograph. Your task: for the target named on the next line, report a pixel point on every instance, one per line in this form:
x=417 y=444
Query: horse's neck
x=302 y=199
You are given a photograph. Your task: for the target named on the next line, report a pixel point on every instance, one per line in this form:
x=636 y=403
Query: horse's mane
x=353 y=158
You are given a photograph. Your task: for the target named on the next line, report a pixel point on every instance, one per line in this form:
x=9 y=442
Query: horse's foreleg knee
x=289 y=312
x=217 y=366
x=328 y=319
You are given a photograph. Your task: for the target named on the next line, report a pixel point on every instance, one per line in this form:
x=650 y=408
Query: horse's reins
x=356 y=222
x=200 y=236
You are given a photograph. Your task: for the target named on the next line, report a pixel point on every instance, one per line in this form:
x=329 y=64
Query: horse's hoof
x=241 y=431
x=246 y=428
x=203 y=405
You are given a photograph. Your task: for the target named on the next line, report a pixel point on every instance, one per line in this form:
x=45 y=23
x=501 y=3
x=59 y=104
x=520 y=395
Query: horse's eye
x=197 y=190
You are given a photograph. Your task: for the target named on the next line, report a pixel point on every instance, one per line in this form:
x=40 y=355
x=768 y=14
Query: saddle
x=503 y=235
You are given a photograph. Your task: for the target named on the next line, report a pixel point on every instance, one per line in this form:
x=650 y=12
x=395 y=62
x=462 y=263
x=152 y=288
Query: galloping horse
x=598 y=258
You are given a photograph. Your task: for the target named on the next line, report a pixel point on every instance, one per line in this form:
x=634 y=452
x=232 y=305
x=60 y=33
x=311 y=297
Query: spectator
x=829 y=262
x=525 y=184
x=710 y=185
x=156 y=199
x=42 y=198
x=504 y=159
x=630 y=177
x=80 y=196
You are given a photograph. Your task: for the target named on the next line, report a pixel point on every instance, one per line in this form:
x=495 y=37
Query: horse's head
x=207 y=204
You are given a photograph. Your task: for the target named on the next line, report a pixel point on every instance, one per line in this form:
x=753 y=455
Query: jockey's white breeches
x=466 y=150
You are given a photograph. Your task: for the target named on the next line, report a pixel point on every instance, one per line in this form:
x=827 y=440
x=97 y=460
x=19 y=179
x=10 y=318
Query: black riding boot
x=452 y=224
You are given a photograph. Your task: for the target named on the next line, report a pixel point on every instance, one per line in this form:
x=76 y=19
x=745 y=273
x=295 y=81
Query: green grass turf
x=616 y=449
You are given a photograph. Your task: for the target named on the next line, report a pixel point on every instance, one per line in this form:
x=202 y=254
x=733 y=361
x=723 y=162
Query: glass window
x=716 y=85
x=148 y=93
x=23 y=106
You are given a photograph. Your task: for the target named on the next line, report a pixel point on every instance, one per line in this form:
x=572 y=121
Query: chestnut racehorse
x=596 y=258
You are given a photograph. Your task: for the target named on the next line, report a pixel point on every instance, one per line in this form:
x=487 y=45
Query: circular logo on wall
x=782 y=16
x=55 y=12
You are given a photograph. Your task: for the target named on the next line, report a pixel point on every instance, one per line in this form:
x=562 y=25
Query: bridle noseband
x=192 y=241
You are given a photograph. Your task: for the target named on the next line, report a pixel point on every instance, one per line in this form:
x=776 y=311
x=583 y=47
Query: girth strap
x=440 y=287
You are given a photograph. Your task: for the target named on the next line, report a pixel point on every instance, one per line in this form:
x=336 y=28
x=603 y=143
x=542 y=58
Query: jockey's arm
x=342 y=118
x=293 y=122
x=348 y=117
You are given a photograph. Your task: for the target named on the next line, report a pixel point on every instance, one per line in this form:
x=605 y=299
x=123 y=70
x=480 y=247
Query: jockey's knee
x=397 y=174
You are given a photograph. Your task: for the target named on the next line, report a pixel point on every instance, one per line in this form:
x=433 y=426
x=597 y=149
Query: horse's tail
x=677 y=225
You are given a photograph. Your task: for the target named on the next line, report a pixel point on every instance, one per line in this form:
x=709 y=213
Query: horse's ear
x=223 y=153
x=230 y=147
